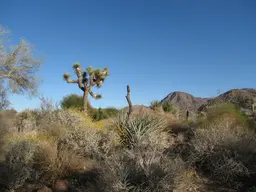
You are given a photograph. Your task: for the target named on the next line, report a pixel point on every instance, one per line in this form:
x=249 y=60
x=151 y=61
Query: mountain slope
x=244 y=98
x=184 y=101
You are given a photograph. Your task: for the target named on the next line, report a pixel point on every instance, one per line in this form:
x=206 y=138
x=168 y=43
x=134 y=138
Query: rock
x=62 y=186
x=44 y=189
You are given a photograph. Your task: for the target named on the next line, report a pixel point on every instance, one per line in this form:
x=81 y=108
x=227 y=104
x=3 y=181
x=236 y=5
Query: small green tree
x=86 y=80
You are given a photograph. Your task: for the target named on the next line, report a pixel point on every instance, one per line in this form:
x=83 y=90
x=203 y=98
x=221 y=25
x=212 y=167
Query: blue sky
x=156 y=47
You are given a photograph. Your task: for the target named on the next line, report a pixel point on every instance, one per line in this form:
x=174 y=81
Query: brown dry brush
x=225 y=154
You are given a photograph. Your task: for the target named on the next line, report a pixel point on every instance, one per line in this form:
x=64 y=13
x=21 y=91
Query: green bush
x=99 y=115
x=168 y=107
x=77 y=102
x=72 y=101
x=220 y=110
x=104 y=113
x=155 y=104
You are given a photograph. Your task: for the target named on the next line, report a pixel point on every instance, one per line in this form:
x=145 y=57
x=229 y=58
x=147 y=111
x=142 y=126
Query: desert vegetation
x=76 y=102
x=64 y=148
x=72 y=148
x=87 y=80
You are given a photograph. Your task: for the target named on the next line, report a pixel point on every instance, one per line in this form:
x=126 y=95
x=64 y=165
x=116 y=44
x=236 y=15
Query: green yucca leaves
x=134 y=130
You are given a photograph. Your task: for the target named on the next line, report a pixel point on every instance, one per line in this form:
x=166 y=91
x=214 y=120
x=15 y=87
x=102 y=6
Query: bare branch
x=4 y=103
x=18 y=68
x=129 y=101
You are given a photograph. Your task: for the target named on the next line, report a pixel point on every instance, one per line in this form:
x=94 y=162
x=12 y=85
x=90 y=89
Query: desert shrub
x=111 y=111
x=7 y=119
x=134 y=130
x=225 y=108
x=26 y=121
x=100 y=114
x=75 y=101
x=226 y=111
x=88 y=143
x=72 y=101
x=139 y=170
x=4 y=102
x=19 y=165
x=189 y=180
x=143 y=167
x=47 y=105
x=36 y=120
x=224 y=153
x=54 y=164
x=104 y=113
x=168 y=107
x=38 y=156
x=155 y=104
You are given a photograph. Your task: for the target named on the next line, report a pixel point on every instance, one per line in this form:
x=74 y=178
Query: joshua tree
x=87 y=80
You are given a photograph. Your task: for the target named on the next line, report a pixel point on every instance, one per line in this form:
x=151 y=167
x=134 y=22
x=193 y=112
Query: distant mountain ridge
x=185 y=101
x=244 y=98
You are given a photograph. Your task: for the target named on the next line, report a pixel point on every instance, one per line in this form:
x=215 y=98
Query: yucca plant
x=134 y=130
x=168 y=107
x=155 y=104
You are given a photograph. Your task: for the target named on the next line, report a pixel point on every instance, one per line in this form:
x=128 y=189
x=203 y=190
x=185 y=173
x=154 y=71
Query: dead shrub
x=19 y=165
x=224 y=153
x=55 y=164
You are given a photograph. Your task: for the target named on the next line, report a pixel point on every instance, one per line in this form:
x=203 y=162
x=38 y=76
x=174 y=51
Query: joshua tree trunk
x=85 y=97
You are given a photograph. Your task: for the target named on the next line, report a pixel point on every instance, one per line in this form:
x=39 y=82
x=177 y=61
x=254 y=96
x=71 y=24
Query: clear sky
x=156 y=47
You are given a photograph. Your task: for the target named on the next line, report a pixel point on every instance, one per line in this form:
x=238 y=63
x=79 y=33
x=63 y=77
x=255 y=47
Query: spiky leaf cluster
x=98 y=75
x=133 y=131
x=76 y=65
x=66 y=76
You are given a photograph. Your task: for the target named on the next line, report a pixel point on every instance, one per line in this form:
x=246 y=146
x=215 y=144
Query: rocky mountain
x=145 y=110
x=184 y=101
x=244 y=98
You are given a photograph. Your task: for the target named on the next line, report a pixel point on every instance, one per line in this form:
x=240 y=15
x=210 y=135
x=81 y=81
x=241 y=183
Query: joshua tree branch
x=95 y=96
x=71 y=81
x=80 y=77
x=86 y=80
x=92 y=82
x=66 y=77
